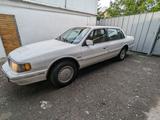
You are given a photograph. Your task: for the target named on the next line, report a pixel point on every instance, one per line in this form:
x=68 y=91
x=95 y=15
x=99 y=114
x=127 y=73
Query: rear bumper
x=22 y=78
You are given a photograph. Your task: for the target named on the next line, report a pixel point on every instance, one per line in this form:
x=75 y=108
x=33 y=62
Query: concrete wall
x=42 y=23
x=143 y=27
x=2 y=51
x=88 y=6
x=54 y=3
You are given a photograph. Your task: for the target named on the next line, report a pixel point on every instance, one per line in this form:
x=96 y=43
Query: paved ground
x=127 y=90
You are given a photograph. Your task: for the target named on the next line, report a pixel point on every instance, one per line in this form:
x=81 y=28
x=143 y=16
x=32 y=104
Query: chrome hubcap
x=123 y=54
x=65 y=74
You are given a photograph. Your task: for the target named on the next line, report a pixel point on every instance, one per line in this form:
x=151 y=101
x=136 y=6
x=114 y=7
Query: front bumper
x=23 y=78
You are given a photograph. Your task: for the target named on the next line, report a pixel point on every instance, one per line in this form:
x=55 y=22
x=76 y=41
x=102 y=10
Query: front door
x=95 y=53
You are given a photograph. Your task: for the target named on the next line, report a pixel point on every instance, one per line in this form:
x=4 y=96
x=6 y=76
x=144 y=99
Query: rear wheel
x=63 y=73
x=122 y=54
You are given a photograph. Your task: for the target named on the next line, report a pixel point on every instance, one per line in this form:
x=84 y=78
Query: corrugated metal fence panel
x=139 y=31
x=125 y=23
x=102 y=22
x=130 y=23
x=150 y=39
x=106 y=22
x=143 y=27
x=135 y=24
x=116 y=21
x=112 y=22
x=109 y=22
x=144 y=33
x=120 y=21
x=156 y=49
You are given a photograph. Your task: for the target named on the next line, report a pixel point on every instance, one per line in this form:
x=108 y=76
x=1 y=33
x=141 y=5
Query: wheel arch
x=61 y=60
x=126 y=46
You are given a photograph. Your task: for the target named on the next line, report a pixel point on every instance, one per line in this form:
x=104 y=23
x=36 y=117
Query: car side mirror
x=89 y=42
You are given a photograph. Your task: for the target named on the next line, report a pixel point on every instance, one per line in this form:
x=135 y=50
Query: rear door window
x=114 y=34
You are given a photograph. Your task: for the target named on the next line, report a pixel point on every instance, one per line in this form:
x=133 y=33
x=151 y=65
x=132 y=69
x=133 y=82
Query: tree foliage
x=100 y=14
x=130 y=7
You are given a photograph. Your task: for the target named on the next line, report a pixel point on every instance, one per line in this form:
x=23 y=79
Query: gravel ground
x=127 y=90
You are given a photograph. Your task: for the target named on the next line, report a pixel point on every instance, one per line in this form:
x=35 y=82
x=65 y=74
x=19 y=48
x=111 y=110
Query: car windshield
x=74 y=35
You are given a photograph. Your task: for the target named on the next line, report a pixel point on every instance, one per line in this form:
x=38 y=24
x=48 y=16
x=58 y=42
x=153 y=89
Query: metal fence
x=144 y=27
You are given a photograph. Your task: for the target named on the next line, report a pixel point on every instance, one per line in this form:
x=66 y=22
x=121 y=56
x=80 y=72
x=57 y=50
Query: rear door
x=115 y=41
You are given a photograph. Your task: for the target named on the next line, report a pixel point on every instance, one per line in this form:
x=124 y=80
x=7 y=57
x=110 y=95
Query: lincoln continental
x=59 y=60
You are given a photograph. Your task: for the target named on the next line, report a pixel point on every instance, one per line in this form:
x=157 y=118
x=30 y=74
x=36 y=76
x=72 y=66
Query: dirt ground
x=111 y=90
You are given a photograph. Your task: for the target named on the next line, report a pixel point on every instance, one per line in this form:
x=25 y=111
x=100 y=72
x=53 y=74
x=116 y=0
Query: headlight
x=20 y=67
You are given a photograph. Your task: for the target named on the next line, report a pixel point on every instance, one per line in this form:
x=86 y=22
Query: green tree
x=114 y=9
x=100 y=14
x=156 y=5
x=130 y=7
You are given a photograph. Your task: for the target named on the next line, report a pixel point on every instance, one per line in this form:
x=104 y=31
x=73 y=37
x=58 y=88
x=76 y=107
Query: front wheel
x=122 y=54
x=63 y=74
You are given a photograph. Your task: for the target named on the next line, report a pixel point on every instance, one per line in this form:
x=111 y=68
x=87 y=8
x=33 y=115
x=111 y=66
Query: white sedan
x=59 y=60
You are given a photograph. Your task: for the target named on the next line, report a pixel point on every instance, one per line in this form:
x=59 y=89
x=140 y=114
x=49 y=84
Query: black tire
x=56 y=72
x=122 y=55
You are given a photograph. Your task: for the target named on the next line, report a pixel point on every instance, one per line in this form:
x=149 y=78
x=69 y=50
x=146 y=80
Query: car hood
x=38 y=49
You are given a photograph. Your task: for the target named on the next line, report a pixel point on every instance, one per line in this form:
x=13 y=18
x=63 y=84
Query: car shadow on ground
x=101 y=65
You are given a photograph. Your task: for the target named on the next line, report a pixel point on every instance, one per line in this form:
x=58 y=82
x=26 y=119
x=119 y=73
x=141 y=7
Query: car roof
x=98 y=27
